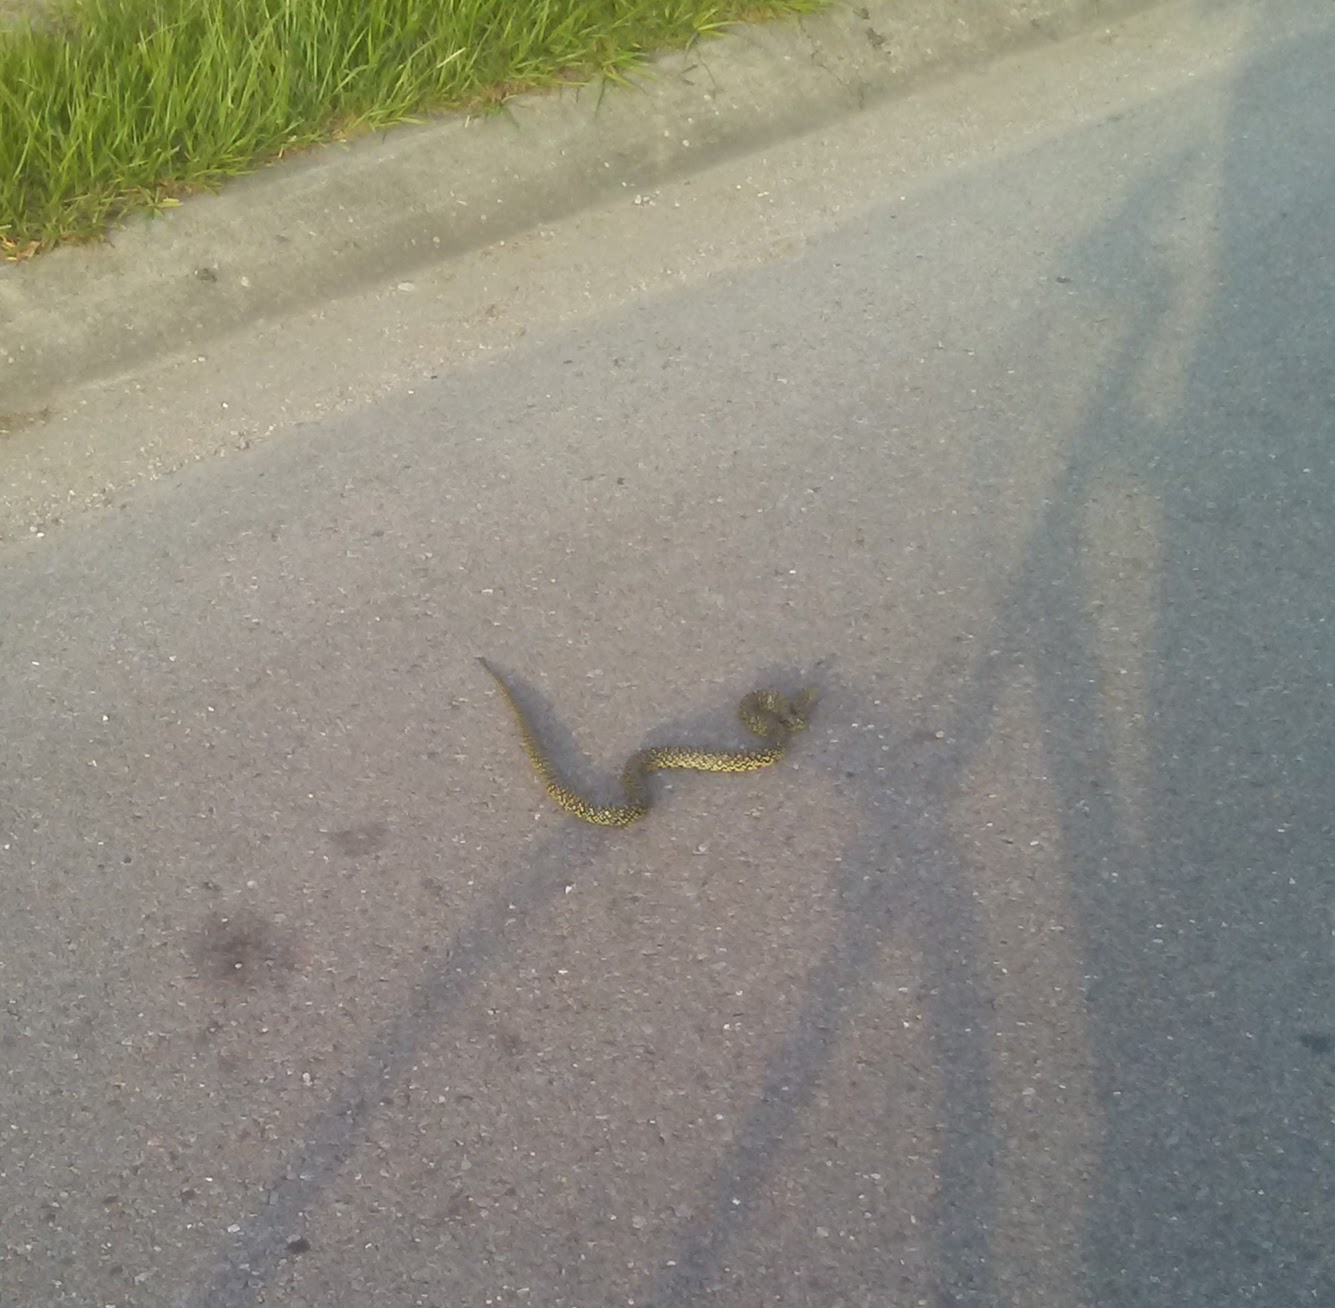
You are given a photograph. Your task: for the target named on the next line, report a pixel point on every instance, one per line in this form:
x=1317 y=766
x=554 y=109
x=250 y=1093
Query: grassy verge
x=111 y=106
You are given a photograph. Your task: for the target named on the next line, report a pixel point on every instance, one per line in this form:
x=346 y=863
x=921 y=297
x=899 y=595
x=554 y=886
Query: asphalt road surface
x=1003 y=412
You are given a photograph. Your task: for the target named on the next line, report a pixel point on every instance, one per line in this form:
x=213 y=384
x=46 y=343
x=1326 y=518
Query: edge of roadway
x=336 y=218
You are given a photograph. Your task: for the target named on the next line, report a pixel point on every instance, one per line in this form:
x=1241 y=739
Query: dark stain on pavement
x=242 y=948
x=362 y=841
x=10 y=423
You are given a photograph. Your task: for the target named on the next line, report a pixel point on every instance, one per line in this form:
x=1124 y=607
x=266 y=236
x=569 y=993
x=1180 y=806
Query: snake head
x=799 y=708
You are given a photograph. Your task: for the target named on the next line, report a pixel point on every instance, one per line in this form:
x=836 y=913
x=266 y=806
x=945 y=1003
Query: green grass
x=113 y=106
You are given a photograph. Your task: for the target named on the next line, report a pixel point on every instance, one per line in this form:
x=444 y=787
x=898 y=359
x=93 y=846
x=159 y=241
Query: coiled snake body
x=770 y=715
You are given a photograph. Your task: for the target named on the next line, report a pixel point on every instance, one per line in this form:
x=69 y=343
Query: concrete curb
x=342 y=217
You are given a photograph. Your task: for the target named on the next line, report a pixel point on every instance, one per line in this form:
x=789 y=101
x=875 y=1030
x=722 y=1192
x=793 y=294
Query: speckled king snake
x=767 y=713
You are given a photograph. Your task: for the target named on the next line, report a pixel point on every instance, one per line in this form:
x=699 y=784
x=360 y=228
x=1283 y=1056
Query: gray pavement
x=1003 y=411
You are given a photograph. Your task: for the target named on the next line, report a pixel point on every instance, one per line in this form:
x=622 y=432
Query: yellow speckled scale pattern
x=770 y=715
